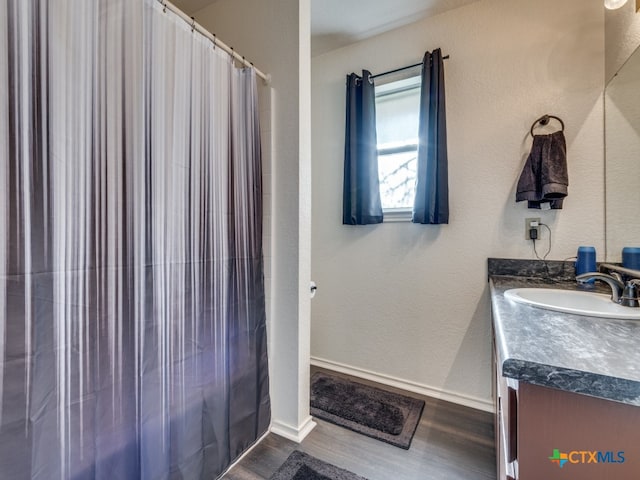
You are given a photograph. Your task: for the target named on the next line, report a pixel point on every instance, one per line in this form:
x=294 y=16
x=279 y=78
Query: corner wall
x=275 y=36
x=622 y=36
x=408 y=304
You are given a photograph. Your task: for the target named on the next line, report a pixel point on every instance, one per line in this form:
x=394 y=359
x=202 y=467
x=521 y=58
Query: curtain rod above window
x=402 y=68
x=216 y=41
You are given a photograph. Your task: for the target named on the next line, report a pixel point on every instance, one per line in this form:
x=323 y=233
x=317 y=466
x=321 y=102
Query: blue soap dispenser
x=631 y=257
x=586 y=261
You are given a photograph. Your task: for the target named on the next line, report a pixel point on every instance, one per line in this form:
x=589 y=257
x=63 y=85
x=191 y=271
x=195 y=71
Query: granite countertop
x=591 y=356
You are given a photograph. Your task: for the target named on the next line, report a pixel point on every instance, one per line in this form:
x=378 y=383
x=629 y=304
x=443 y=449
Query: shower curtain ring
x=193 y=24
x=164 y=7
x=214 y=41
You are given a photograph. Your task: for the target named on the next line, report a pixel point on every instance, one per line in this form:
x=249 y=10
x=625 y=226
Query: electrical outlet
x=528 y=227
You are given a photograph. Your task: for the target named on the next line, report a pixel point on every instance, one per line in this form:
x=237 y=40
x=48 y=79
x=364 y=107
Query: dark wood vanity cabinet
x=538 y=428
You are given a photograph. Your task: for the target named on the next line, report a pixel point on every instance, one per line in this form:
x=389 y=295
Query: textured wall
x=622 y=36
x=410 y=302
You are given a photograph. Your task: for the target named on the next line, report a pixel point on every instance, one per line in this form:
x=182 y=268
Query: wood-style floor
x=452 y=442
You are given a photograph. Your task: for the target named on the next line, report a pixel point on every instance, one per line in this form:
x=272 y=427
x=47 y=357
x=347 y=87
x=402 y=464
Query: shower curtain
x=132 y=318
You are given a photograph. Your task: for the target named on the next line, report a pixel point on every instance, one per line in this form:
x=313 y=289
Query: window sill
x=394 y=215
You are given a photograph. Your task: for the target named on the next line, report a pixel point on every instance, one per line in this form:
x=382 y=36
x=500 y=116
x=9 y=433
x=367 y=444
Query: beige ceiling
x=191 y=6
x=336 y=23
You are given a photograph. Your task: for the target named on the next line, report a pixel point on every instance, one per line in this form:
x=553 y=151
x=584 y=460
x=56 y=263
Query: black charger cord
x=534 y=236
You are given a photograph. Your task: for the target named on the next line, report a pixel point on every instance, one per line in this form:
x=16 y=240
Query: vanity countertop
x=591 y=356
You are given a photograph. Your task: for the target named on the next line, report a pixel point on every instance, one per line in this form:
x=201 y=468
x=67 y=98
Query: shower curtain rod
x=216 y=41
x=402 y=68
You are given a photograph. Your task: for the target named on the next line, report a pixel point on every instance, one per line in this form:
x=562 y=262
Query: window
x=397 y=114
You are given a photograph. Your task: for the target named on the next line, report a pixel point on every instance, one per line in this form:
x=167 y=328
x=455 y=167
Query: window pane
x=397 y=113
x=397 y=173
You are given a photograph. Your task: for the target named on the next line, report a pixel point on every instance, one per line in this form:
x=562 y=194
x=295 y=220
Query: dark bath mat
x=386 y=416
x=301 y=466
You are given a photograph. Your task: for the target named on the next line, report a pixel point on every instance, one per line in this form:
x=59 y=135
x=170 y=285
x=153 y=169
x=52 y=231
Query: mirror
x=622 y=159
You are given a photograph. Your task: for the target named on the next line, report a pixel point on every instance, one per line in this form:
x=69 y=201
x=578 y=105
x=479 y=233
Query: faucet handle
x=629 y=296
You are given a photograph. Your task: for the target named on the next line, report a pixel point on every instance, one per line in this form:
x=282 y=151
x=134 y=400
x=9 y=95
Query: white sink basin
x=570 y=301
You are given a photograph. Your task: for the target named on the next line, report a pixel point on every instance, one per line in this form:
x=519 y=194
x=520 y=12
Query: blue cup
x=631 y=257
x=586 y=261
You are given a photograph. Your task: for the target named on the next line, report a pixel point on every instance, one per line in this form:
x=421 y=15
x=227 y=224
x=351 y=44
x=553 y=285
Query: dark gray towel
x=544 y=178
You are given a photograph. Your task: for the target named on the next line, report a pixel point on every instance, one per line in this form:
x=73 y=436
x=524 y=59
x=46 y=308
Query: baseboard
x=292 y=433
x=407 y=385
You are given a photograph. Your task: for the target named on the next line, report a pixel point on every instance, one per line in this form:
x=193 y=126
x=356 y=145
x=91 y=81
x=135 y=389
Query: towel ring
x=544 y=120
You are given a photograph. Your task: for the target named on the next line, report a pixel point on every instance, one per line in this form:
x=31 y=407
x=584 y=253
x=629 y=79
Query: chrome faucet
x=625 y=294
x=616 y=284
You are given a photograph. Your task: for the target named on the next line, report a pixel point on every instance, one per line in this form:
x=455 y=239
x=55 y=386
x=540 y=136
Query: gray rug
x=386 y=416
x=301 y=466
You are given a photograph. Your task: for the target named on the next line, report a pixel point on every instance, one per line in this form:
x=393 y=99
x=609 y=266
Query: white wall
x=275 y=36
x=410 y=302
x=622 y=36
